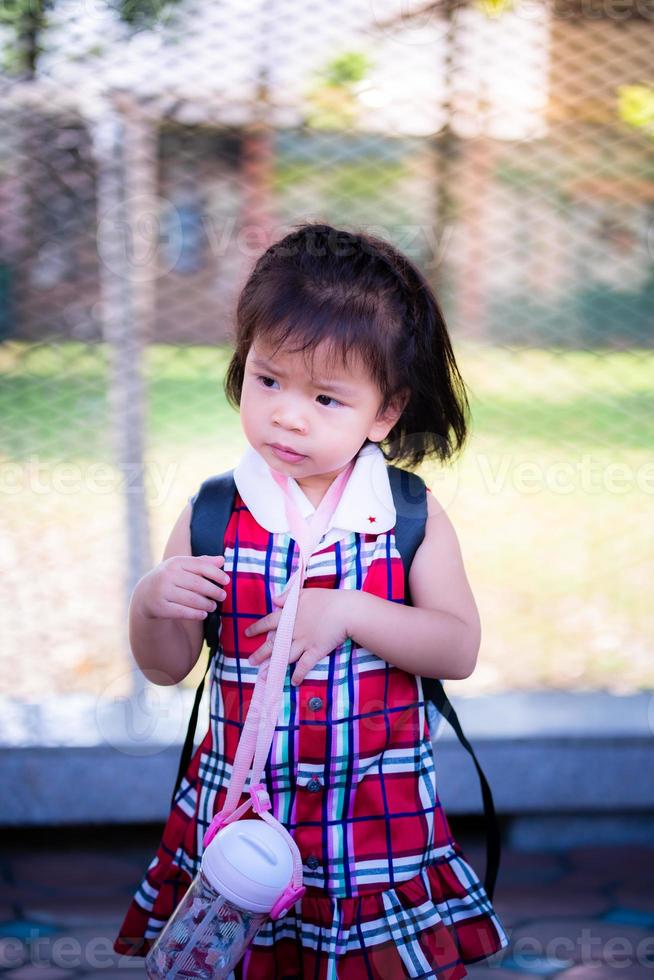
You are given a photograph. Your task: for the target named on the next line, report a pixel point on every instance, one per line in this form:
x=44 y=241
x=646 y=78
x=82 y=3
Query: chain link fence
x=150 y=151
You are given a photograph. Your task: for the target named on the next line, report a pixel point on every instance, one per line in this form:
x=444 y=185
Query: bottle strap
x=259 y=727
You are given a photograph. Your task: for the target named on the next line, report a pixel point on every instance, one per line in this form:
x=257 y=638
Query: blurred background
x=150 y=151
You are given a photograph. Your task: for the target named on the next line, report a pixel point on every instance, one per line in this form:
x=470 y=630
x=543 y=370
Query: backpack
x=212 y=508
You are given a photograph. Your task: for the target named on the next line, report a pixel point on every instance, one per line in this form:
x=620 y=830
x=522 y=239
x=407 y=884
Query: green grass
x=555 y=541
x=54 y=400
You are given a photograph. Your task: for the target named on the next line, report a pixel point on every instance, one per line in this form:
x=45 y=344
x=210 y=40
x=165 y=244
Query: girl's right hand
x=182 y=587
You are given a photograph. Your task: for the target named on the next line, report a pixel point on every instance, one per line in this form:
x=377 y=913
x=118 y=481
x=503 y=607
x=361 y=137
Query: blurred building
x=487 y=140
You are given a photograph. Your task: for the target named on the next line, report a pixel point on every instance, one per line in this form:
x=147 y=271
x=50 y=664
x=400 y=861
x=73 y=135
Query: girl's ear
x=403 y=399
x=384 y=423
x=397 y=406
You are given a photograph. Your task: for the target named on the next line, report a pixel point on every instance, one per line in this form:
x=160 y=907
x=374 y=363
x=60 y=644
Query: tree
x=636 y=107
x=28 y=20
x=332 y=99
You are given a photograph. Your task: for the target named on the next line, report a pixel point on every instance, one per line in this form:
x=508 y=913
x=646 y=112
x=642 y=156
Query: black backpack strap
x=410 y=499
x=212 y=507
x=434 y=691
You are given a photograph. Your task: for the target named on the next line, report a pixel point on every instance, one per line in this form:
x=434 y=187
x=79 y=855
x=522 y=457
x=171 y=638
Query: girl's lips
x=287 y=456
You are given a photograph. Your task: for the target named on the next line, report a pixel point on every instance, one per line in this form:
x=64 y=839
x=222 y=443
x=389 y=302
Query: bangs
x=299 y=317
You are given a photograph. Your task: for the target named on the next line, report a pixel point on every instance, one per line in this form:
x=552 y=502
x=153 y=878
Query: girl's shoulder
x=440 y=538
x=437 y=577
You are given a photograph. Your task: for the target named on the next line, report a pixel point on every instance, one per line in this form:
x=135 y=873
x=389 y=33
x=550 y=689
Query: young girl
x=340 y=348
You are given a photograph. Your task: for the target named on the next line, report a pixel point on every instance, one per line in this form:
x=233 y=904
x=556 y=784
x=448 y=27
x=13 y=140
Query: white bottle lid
x=249 y=863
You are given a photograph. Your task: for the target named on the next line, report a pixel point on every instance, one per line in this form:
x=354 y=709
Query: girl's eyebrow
x=328 y=385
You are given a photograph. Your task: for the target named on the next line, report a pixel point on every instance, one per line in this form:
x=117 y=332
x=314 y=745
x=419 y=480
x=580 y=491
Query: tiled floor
x=586 y=914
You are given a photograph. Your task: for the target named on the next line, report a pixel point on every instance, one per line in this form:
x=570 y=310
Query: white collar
x=366 y=505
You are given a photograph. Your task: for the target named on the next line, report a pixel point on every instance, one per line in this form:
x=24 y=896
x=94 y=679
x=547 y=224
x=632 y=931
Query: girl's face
x=325 y=418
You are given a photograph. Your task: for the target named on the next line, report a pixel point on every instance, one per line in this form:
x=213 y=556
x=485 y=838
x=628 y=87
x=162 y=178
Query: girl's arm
x=439 y=636
x=165 y=649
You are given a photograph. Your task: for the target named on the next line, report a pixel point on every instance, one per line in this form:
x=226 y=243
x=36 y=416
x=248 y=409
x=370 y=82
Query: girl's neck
x=315 y=487
x=314 y=492
x=315 y=496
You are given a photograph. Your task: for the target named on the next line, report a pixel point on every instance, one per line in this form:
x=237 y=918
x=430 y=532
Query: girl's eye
x=329 y=399
x=264 y=378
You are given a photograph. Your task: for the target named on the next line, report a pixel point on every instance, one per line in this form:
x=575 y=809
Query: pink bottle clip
x=218 y=821
x=289 y=897
x=260 y=798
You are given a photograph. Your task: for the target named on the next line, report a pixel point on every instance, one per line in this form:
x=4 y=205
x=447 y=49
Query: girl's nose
x=289 y=421
x=290 y=416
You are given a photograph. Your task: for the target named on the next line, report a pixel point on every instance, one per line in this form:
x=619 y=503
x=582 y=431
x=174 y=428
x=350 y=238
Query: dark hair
x=358 y=293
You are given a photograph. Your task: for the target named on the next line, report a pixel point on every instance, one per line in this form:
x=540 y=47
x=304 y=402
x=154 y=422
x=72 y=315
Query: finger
x=299 y=672
x=265 y=650
x=308 y=660
x=297 y=648
x=186 y=597
x=176 y=610
x=261 y=653
x=211 y=566
x=262 y=625
x=200 y=585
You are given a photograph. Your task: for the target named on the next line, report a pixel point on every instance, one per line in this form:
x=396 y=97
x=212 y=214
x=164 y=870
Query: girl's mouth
x=286 y=455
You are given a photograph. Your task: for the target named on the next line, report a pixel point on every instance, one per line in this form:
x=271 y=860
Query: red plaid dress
x=350 y=773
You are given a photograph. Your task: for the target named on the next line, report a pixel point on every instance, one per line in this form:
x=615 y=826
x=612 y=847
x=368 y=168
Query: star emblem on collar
x=372 y=519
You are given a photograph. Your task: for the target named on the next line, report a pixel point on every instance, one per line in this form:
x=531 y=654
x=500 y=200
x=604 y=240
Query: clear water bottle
x=244 y=871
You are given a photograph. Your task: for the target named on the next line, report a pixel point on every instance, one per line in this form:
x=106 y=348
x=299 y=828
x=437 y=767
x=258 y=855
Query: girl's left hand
x=320 y=627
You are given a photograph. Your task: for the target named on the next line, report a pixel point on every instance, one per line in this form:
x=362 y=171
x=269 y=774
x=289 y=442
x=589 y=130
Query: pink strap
x=259 y=727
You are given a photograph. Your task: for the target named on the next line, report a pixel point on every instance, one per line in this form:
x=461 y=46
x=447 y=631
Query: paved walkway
x=585 y=914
